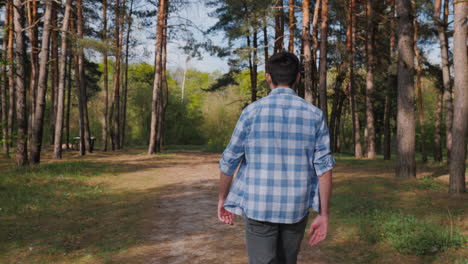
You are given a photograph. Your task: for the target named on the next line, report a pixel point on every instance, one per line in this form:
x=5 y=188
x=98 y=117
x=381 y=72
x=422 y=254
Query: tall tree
x=370 y=42
x=32 y=15
x=279 y=26
x=352 y=90
x=460 y=124
x=115 y=107
x=22 y=121
x=419 y=89
x=307 y=51
x=442 y=25
x=406 y=166
x=11 y=75
x=38 y=120
x=61 y=85
x=315 y=48
x=6 y=87
x=157 y=89
x=54 y=71
x=106 y=77
x=125 y=84
x=390 y=86
x=323 y=58
x=82 y=95
x=292 y=26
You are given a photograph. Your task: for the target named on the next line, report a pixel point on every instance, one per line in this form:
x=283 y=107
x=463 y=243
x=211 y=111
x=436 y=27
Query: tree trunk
x=255 y=65
x=54 y=70
x=156 y=100
x=445 y=64
x=38 y=120
x=370 y=32
x=32 y=10
x=337 y=98
x=279 y=26
x=106 y=78
x=391 y=81
x=437 y=128
x=81 y=71
x=308 y=94
x=352 y=92
x=11 y=77
x=78 y=80
x=21 y=116
x=315 y=21
x=115 y=108
x=69 y=85
x=323 y=59
x=5 y=137
x=460 y=124
x=125 y=87
x=419 y=88
x=165 y=88
x=292 y=26
x=405 y=167
x=61 y=86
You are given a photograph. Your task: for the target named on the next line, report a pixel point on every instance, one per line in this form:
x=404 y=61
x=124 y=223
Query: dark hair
x=283 y=68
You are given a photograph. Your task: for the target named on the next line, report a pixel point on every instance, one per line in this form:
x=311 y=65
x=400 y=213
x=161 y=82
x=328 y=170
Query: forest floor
x=128 y=207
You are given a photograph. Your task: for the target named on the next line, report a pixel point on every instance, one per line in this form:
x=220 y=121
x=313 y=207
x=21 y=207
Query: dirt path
x=183 y=227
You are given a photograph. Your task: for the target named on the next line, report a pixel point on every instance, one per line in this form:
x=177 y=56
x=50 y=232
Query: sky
x=198 y=14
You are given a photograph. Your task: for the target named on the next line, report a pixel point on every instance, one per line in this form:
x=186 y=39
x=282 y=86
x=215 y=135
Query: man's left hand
x=224 y=215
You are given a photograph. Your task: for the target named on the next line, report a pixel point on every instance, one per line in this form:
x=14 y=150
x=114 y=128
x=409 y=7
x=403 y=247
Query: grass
x=57 y=213
x=52 y=211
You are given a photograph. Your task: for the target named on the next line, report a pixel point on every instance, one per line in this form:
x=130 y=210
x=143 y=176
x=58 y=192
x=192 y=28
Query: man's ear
x=268 y=78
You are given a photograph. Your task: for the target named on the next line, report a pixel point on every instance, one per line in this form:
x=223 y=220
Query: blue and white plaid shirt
x=282 y=144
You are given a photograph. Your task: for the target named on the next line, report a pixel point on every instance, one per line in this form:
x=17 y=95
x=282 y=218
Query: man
x=282 y=145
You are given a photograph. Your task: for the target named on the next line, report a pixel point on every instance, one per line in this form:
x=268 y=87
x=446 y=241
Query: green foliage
x=409 y=235
x=428 y=183
x=379 y=223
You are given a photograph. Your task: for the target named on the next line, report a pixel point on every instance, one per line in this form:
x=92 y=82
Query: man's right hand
x=318 y=230
x=224 y=215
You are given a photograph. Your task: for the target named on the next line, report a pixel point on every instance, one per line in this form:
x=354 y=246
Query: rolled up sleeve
x=235 y=151
x=323 y=160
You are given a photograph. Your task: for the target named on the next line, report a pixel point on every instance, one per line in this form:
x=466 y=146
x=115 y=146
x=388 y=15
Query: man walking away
x=282 y=145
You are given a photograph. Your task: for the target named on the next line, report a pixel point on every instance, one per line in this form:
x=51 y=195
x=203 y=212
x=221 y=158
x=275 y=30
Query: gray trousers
x=272 y=243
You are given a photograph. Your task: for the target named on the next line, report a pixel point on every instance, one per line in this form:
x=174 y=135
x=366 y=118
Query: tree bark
x=4 y=92
x=115 y=108
x=460 y=121
x=405 y=167
x=78 y=80
x=165 y=88
x=38 y=119
x=323 y=58
x=419 y=89
x=352 y=92
x=69 y=85
x=370 y=32
x=391 y=81
x=125 y=86
x=437 y=127
x=265 y=40
x=292 y=26
x=54 y=70
x=61 y=85
x=315 y=20
x=279 y=26
x=157 y=91
x=308 y=94
x=11 y=78
x=445 y=64
x=106 y=78
x=32 y=10
x=21 y=116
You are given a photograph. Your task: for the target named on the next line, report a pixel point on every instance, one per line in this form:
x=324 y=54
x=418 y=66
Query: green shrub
x=409 y=235
x=428 y=183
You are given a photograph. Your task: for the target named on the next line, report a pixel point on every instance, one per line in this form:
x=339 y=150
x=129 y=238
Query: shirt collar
x=283 y=90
